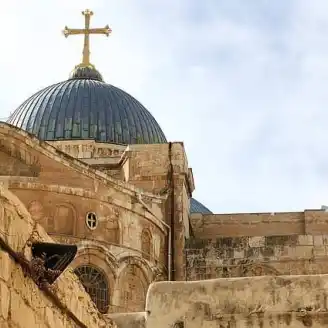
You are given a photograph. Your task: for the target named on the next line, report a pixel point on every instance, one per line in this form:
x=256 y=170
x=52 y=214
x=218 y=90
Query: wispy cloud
x=243 y=84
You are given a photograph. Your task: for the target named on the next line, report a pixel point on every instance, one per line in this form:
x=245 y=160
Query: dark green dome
x=197 y=207
x=85 y=107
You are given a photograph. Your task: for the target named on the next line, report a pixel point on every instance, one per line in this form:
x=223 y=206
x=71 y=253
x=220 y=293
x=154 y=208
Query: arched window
x=132 y=289
x=64 y=219
x=146 y=244
x=96 y=285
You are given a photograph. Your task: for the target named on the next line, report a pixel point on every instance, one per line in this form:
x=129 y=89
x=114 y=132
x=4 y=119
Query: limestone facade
x=127 y=210
x=238 y=245
x=122 y=223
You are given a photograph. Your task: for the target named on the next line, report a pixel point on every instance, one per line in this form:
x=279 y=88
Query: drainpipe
x=169 y=255
x=170 y=179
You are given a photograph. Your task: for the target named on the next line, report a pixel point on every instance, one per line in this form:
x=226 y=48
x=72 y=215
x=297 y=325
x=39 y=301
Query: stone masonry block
x=305 y=240
x=21 y=314
x=15 y=222
x=4 y=300
x=319 y=251
x=258 y=241
x=5 y=323
x=303 y=252
x=239 y=254
x=49 y=317
x=5 y=266
x=325 y=239
x=278 y=251
x=318 y=240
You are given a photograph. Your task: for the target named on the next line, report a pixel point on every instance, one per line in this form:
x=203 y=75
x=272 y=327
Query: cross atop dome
x=84 y=107
x=86 y=31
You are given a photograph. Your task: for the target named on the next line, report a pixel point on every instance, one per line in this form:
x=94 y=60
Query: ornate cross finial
x=86 y=31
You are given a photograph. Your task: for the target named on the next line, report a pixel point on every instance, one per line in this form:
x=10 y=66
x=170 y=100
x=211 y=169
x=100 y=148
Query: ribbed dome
x=197 y=207
x=84 y=107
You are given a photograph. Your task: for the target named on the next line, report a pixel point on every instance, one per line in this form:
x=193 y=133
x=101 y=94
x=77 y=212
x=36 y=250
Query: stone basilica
x=92 y=167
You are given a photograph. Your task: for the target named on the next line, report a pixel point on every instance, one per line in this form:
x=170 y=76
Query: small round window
x=91 y=220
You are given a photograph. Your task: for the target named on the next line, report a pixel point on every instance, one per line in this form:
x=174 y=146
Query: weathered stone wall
x=128 y=243
x=237 y=245
x=104 y=157
x=257 y=255
x=124 y=238
x=160 y=170
x=129 y=320
x=163 y=168
x=88 y=150
x=309 y=222
x=22 y=303
x=257 y=302
x=63 y=211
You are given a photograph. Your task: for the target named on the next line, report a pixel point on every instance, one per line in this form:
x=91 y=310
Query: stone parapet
x=257 y=302
x=308 y=222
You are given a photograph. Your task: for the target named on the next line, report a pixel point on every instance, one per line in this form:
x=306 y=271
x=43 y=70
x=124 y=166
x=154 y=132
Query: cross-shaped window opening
x=91 y=220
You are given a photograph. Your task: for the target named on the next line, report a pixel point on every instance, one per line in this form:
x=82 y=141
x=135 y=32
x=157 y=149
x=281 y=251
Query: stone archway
x=98 y=257
x=132 y=289
x=96 y=285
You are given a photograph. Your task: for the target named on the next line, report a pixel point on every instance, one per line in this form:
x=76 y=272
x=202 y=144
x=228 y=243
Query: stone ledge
x=17 y=183
x=21 y=137
x=198 y=302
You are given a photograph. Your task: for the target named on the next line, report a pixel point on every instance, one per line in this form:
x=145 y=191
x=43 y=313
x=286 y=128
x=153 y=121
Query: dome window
x=91 y=220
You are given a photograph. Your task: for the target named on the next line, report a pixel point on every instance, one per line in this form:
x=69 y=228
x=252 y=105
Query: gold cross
x=86 y=31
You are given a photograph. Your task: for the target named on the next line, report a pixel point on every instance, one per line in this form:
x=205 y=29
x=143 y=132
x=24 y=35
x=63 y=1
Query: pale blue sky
x=242 y=83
